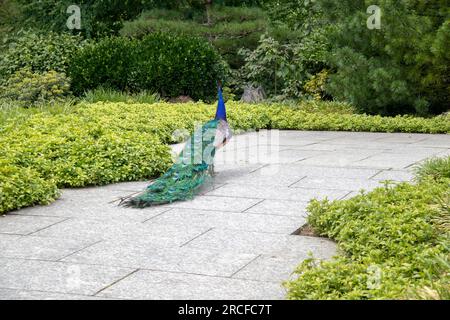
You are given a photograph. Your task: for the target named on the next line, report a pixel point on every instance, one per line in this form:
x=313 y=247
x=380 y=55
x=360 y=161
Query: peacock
x=194 y=166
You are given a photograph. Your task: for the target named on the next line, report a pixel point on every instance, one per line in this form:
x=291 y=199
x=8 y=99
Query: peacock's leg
x=211 y=170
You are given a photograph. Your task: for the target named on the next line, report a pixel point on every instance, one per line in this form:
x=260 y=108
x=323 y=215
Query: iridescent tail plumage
x=192 y=168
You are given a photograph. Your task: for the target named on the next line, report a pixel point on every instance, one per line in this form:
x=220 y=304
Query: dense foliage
x=103 y=143
x=27 y=89
x=169 y=65
x=227 y=28
x=38 y=52
x=98 y=18
x=285 y=61
x=394 y=241
x=402 y=67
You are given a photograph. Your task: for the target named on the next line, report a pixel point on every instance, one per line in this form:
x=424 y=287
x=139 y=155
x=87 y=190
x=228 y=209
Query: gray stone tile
x=259 y=177
x=31 y=247
x=229 y=220
x=280 y=207
x=12 y=294
x=389 y=160
x=275 y=267
x=15 y=224
x=157 y=285
x=277 y=193
x=337 y=183
x=339 y=158
x=395 y=175
x=262 y=243
x=146 y=256
x=57 y=276
x=92 y=209
x=95 y=230
x=435 y=140
x=295 y=155
x=210 y=202
x=404 y=138
x=301 y=170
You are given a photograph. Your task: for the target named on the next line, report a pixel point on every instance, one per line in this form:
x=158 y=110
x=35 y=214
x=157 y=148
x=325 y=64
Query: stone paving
x=233 y=241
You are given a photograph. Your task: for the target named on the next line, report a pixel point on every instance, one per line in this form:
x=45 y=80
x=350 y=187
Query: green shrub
x=21 y=187
x=169 y=65
x=400 y=68
x=228 y=29
x=177 y=65
x=99 y=18
x=105 y=63
x=29 y=89
x=388 y=240
x=38 y=52
x=315 y=86
x=282 y=69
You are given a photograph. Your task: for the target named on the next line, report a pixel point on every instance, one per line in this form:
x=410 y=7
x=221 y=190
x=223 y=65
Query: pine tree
x=402 y=67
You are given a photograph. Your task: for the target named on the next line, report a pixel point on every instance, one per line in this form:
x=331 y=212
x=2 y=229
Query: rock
x=253 y=95
x=181 y=99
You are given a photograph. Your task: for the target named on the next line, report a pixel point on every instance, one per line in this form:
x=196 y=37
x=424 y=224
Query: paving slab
x=173 y=259
x=21 y=274
x=277 y=268
x=395 y=175
x=14 y=224
x=175 y=286
x=276 y=193
x=280 y=207
x=32 y=247
x=13 y=294
x=211 y=202
x=229 y=220
x=337 y=183
x=96 y=230
x=262 y=243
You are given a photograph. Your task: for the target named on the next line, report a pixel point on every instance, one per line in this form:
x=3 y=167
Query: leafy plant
x=38 y=52
x=389 y=242
x=29 y=89
x=227 y=28
x=435 y=168
x=401 y=67
x=169 y=65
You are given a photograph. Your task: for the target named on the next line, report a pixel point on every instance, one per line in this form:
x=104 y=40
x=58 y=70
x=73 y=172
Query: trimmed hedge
x=394 y=242
x=169 y=65
x=104 y=143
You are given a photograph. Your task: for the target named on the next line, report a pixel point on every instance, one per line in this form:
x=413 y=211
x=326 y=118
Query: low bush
x=393 y=243
x=101 y=143
x=169 y=65
x=105 y=63
x=29 y=89
x=20 y=187
x=38 y=52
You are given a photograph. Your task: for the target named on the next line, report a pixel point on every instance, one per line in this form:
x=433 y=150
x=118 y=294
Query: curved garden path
x=234 y=241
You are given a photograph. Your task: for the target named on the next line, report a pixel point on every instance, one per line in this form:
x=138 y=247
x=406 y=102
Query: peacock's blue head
x=221 y=112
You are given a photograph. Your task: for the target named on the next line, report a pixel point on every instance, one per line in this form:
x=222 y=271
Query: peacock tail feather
x=189 y=172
